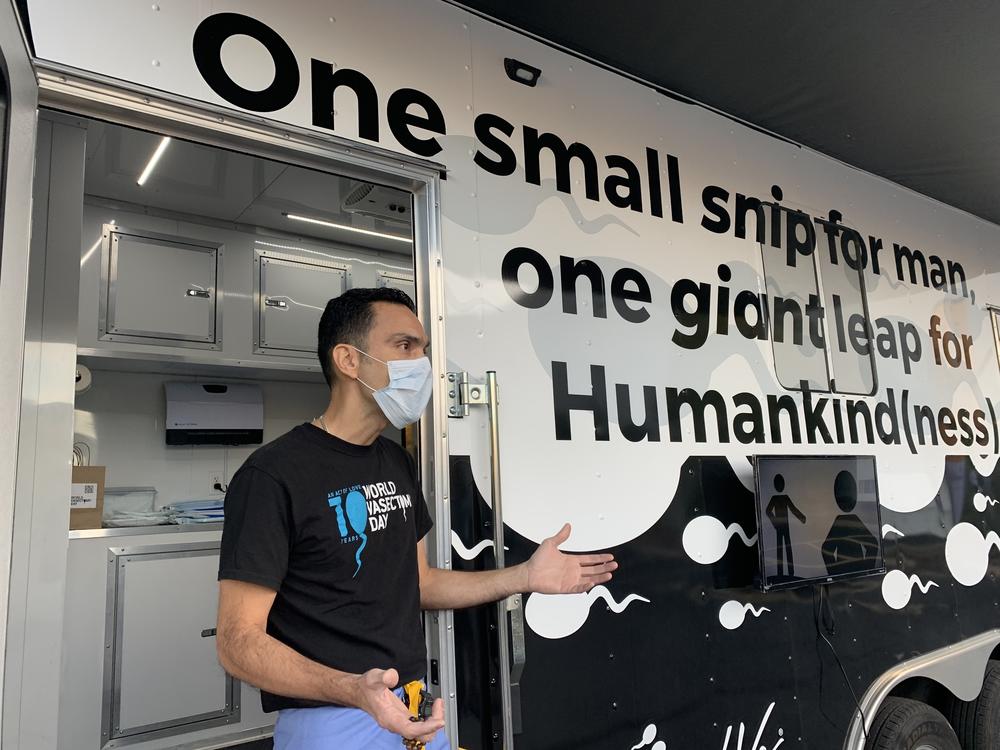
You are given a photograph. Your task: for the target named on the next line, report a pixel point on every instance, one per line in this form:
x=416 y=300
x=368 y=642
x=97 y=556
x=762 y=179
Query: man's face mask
x=404 y=399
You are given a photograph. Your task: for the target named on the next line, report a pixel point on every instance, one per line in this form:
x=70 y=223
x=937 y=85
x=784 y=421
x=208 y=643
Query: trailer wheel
x=904 y=724
x=977 y=723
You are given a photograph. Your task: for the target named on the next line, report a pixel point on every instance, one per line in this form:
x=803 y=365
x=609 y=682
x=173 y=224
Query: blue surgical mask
x=404 y=399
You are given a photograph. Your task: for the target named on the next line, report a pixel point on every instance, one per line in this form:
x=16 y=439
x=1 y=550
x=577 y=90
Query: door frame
x=83 y=94
x=16 y=173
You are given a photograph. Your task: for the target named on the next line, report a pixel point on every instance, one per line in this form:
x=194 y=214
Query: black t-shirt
x=333 y=528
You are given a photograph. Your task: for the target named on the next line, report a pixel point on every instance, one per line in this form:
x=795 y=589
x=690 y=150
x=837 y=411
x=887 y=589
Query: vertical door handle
x=510 y=614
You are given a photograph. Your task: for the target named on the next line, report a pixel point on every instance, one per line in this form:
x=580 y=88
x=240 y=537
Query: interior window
x=797 y=333
x=850 y=341
x=819 y=324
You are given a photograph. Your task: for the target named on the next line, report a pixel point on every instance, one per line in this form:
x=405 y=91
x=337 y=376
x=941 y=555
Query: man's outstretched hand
x=375 y=697
x=553 y=572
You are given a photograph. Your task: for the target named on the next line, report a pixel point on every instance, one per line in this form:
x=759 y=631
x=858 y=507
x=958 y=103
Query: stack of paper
x=138 y=518
x=196 y=511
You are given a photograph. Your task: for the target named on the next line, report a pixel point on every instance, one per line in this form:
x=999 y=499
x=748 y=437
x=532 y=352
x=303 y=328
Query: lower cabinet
x=161 y=674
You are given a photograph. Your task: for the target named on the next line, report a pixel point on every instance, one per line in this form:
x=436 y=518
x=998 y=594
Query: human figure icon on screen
x=850 y=546
x=777 y=512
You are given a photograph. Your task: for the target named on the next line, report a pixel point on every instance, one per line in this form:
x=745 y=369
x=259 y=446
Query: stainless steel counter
x=168 y=528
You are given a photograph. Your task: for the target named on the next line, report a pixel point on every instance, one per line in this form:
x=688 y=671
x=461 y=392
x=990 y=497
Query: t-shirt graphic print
x=332 y=527
x=366 y=508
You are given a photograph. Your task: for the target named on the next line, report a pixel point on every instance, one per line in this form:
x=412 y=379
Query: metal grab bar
x=510 y=613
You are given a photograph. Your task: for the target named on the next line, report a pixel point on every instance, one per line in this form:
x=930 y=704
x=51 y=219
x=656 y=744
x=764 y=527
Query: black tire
x=904 y=724
x=977 y=723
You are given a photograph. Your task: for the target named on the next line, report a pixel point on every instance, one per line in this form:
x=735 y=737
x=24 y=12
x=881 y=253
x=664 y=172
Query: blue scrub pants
x=338 y=728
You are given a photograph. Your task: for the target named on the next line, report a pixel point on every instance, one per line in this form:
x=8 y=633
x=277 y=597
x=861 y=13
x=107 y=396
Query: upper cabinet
x=217 y=262
x=155 y=292
x=290 y=294
x=160 y=289
x=397 y=280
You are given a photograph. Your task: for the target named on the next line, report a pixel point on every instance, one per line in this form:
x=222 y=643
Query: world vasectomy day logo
x=354 y=510
x=365 y=508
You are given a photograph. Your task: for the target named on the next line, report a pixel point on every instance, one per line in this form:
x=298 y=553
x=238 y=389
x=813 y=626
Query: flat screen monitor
x=818 y=519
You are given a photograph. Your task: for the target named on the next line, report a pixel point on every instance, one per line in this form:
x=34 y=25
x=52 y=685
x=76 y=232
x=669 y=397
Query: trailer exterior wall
x=638 y=497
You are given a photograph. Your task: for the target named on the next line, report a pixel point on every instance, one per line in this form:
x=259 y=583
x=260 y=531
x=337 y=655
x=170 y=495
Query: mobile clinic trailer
x=671 y=304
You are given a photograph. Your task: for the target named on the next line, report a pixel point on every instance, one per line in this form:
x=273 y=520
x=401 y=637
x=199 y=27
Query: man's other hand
x=375 y=697
x=553 y=572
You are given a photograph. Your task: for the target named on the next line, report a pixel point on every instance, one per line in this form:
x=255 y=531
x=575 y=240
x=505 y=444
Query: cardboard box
x=86 y=497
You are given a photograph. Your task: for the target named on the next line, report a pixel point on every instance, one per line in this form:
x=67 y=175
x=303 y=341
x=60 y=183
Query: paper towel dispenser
x=214 y=414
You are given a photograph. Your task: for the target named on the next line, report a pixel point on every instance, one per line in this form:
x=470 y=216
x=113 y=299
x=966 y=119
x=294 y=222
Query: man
x=323 y=567
x=777 y=511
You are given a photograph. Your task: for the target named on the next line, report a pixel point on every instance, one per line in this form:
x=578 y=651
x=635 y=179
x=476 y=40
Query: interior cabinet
x=160 y=289
x=162 y=599
x=290 y=295
x=397 y=280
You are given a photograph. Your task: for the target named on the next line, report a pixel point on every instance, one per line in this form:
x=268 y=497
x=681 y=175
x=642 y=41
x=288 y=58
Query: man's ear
x=345 y=360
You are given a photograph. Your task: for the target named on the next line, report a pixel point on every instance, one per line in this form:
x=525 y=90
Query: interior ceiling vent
x=378 y=202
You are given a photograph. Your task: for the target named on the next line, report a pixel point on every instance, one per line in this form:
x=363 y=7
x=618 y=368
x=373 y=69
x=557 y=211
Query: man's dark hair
x=348 y=319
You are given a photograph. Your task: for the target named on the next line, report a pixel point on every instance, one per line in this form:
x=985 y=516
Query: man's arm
x=248 y=653
x=798 y=513
x=549 y=571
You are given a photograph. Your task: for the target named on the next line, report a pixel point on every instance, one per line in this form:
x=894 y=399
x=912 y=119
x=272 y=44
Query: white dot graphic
x=967 y=552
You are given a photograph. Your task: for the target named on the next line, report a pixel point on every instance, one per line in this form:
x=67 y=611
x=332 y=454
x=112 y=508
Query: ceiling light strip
x=151 y=165
x=347 y=228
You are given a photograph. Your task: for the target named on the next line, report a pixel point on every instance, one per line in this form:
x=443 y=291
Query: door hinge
x=462 y=394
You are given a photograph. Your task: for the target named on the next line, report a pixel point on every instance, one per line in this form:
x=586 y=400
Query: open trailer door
x=18 y=112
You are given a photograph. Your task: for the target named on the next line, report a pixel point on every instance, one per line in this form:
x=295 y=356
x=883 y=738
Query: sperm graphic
x=357 y=514
x=897 y=588
x=967 y=552
x=648 y=735
x=557 y=616
x=981 y=501
x=889 y=529
x=520 y=209
x=733 y=613
x=470 y=554
x=706 y=539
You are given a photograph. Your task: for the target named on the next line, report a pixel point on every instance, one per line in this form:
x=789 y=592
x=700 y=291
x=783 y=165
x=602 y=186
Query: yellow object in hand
x=413 y=692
